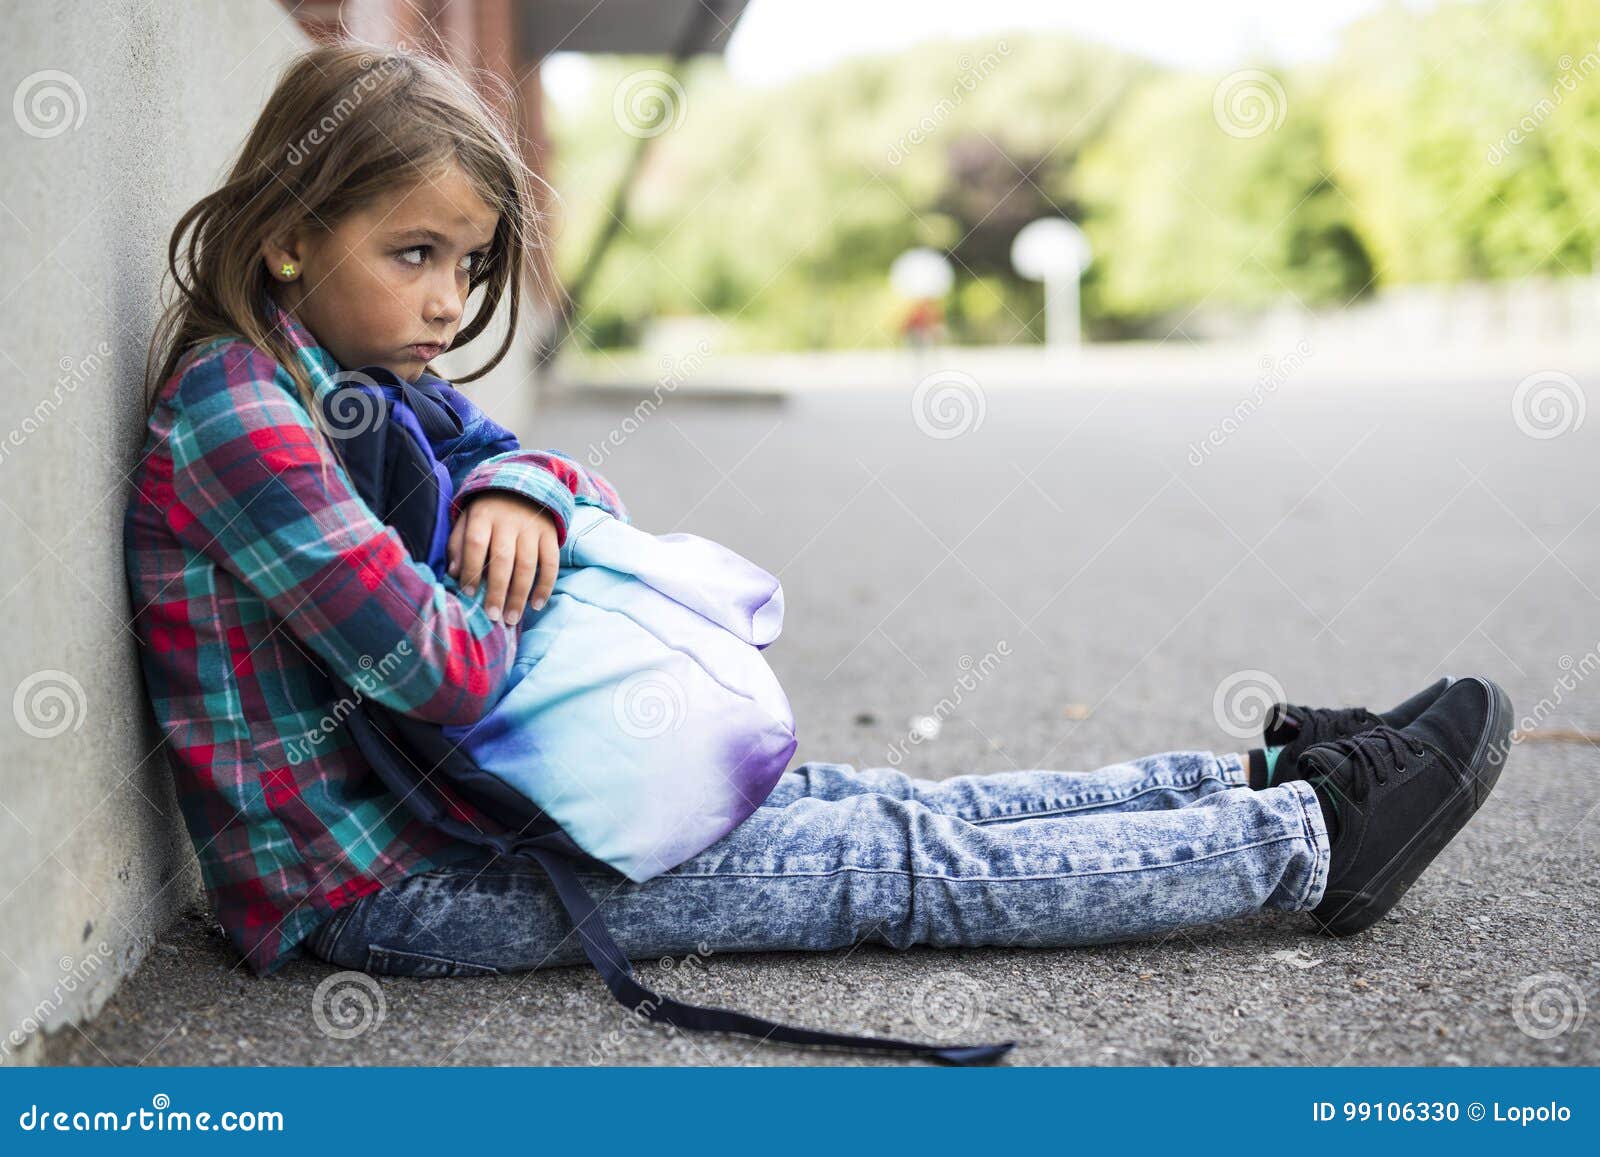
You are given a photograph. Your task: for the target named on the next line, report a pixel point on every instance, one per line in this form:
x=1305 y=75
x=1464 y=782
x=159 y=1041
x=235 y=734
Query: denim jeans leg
x=1165 y=780
x=822 y=873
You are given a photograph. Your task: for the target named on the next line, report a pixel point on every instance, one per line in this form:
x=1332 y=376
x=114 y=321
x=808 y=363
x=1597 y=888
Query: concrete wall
x=122 y=114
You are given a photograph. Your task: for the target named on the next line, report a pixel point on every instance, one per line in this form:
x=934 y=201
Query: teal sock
x=1271 y=754
x=1259 y=764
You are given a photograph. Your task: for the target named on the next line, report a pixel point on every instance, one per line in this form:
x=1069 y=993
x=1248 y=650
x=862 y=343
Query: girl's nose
x=445 y=304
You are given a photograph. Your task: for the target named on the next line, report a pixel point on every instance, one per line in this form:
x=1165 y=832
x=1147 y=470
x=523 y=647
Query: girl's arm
x=248 y=492
x=487 y=456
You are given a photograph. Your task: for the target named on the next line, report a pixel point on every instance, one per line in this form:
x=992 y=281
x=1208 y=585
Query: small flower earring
x=288 y=269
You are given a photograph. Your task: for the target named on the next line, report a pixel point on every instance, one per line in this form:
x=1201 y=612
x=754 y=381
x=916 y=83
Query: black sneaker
x=1295 y=728
x=1401 y=794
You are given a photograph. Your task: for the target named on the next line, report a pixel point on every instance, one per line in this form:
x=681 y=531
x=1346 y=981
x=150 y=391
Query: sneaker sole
x=1359 y=910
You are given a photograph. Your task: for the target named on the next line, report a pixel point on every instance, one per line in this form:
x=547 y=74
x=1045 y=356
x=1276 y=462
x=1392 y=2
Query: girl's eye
x=477 y=259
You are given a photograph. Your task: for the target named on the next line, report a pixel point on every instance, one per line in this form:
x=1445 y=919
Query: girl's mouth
x=427 y=352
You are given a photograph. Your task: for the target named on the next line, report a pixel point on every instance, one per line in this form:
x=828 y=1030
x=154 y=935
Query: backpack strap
x=553 y=850
x=434 y=413
x=617 y=973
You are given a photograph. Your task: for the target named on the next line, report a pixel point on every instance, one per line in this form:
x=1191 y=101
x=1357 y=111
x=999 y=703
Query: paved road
x=1353 y=545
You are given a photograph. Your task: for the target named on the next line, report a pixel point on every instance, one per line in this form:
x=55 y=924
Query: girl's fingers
x=522 y=573
x=453 y=548
x=513 y=556
x=502 y=560
x=549 y=567
x=474 y=546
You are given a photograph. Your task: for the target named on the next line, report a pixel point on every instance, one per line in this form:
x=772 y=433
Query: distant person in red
x=923 y=323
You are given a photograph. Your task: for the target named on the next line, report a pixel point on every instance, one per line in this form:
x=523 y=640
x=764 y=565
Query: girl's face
x=388 y=284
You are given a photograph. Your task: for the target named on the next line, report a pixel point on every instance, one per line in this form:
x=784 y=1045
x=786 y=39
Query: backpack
x=652 y=642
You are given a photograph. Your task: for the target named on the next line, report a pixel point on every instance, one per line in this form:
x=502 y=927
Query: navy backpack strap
x=433 y=412
x=554 y=851
x=616 y=971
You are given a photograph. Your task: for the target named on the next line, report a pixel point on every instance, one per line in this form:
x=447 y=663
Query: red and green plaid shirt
x=262 y=594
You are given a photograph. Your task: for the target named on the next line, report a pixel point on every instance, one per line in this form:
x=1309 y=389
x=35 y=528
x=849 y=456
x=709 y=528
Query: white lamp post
x=1055 y=251
x=921 y=273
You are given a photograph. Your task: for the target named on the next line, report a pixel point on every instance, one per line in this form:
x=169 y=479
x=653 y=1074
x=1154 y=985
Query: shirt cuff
x=531 y=482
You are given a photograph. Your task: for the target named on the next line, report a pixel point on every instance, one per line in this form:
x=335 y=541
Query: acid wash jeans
x=837 y=856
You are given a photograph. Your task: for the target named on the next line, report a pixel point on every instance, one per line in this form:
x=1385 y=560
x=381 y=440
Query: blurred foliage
x=1457 y=143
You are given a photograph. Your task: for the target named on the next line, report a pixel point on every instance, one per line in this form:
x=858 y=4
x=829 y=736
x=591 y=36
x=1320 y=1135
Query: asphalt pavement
x=1135 y=550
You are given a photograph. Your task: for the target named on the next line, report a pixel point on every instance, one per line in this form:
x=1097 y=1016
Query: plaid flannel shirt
x=260 y=592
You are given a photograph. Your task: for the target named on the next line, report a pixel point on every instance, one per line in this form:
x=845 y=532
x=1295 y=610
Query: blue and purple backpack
x=640 y=724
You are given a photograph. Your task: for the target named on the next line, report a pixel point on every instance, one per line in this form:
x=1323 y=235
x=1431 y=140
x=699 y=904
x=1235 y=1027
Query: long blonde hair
x=347 y=122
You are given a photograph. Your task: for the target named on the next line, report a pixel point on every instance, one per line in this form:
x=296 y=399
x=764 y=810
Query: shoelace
x=1325 y=723
x=1368 y=751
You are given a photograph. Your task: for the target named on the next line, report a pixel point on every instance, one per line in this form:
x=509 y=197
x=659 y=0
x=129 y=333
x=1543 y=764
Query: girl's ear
x=284 y=257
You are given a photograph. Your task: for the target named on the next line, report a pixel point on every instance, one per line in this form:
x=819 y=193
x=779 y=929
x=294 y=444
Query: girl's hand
x=520 y=542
